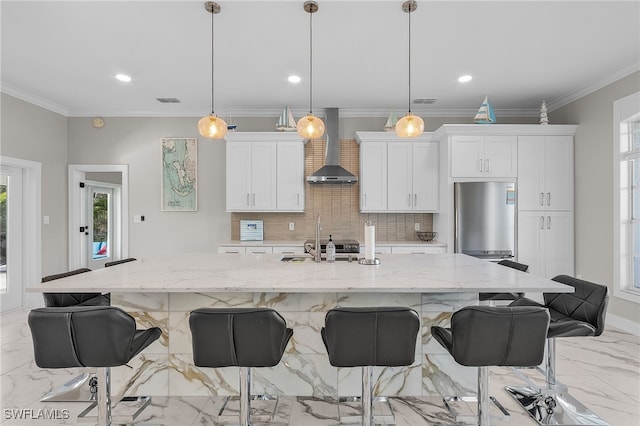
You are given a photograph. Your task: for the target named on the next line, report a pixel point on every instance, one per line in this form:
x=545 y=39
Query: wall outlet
x=292 y=226
x=416 y=226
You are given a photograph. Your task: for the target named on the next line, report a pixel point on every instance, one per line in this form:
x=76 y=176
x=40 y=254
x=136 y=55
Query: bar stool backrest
x=588 y=303
x=499 y=336
x=82 y=336
x=241 y=337
x=377 y=336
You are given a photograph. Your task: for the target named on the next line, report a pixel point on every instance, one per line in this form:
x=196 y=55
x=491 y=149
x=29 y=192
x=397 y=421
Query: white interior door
x=11 y=238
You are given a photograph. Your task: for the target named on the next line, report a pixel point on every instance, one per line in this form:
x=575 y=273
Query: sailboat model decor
x=390 y=125
x=286 y=122
x=485 y=114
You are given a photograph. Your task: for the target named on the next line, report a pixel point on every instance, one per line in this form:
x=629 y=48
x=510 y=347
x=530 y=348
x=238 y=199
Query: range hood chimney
x=332 y=172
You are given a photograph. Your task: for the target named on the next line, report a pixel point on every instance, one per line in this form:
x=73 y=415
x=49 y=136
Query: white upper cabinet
x=398 y=175
x=484 y=156
x=545 y=178
x=265 y=172
x=412 y=176
x=373 y=177
x=290 y=176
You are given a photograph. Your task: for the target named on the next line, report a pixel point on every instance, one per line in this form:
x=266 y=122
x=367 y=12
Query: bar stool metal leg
x=367 y=403
x=245 y=396
x=484 y=417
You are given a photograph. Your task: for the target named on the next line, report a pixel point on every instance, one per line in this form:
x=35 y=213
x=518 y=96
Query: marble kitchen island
x=161 y=291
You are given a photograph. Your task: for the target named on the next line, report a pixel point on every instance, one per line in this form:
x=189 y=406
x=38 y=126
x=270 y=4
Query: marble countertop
x=212 y=272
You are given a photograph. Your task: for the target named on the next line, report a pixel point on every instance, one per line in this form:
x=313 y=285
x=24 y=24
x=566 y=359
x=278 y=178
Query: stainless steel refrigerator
x=485 y=219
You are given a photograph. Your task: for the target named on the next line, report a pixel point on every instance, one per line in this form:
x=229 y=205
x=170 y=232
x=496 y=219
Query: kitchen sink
x=301 y=259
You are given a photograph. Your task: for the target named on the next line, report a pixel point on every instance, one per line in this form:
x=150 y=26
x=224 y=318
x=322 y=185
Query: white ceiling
x=63 y=55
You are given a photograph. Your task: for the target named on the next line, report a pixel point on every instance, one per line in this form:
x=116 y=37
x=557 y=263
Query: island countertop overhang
x=212 y=272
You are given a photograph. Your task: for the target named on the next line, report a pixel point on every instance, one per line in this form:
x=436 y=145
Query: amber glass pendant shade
x=212 y=127
x=310 y=127
x=410 y=126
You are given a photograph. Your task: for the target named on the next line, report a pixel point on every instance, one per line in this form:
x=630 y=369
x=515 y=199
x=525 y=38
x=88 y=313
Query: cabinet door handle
x=542 y=198
x=365 y=199
x=487 y=164
x=409 y=200
x=548 y=198
x=254 y=199
x=481 y=164
x=541 y=222
x=298 y=199
x=548 y=222
x=248 y=199
x=415 y=200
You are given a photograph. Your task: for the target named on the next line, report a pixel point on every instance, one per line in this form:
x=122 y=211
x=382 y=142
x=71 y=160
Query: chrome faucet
x=316 y=251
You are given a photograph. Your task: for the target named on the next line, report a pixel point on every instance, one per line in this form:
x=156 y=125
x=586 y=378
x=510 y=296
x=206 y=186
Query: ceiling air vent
x=424 y=101
x=168 y=100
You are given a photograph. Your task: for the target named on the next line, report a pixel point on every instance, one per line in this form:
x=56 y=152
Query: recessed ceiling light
x=123 y=77
x=294 y=79
x=465 y=78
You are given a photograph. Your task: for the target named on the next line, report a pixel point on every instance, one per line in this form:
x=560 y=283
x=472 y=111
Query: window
x=626 y=122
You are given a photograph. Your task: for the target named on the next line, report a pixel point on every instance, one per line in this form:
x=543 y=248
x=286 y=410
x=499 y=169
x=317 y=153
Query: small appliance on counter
x=251 y=230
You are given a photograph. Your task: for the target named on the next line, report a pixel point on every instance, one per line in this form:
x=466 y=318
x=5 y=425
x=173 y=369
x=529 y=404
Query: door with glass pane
x=100 y=233
x=11 y=206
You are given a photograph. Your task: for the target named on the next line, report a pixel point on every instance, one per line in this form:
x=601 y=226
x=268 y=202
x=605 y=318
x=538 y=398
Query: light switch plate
x=292 y=226
x=416 y=226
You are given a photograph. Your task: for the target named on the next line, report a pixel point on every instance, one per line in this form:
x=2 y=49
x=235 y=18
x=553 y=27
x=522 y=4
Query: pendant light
x=310 y=126
x=410 y=125
x=211 y=126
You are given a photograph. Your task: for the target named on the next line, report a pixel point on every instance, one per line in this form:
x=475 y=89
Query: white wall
x=594 y=185
x=32 y=133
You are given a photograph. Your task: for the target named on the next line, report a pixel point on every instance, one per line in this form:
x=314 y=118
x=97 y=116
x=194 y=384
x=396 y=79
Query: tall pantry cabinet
x=545 y=204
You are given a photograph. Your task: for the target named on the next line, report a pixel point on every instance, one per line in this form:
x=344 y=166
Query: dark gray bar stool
x=239 y=337
x=578 y=314
x=89 y=336
x=483 y=297
x=118 y=262
x=484 y=336
x=78 y=389
x=368 y=337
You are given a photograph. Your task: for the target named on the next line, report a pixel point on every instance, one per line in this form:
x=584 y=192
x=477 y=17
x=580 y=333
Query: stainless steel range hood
x=332 y=172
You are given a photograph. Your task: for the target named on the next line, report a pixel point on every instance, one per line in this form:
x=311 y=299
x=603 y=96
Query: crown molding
x=33 y=99
x=580 y=93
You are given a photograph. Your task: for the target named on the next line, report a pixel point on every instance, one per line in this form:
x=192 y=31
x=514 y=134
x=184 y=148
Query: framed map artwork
x=180 y=174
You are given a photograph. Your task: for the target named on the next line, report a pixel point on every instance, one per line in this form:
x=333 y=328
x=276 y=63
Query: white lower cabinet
x=545 y=242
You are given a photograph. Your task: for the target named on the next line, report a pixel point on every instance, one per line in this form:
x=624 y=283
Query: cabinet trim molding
x=505 y=130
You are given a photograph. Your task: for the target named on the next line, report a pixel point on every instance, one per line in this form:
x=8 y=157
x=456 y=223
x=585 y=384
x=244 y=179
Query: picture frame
x=179 y=184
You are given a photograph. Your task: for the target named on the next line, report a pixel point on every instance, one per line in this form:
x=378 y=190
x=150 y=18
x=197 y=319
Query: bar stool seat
x=367 y=337
x=89 y=336
x=483 y=336
x=239 y=337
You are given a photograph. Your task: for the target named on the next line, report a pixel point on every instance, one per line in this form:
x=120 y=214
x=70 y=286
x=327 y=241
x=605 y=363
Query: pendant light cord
x=212 y=53
x=310 y=62
x=409 y=13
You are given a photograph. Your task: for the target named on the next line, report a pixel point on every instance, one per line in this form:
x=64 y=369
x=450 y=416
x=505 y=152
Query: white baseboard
x=623 y=324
